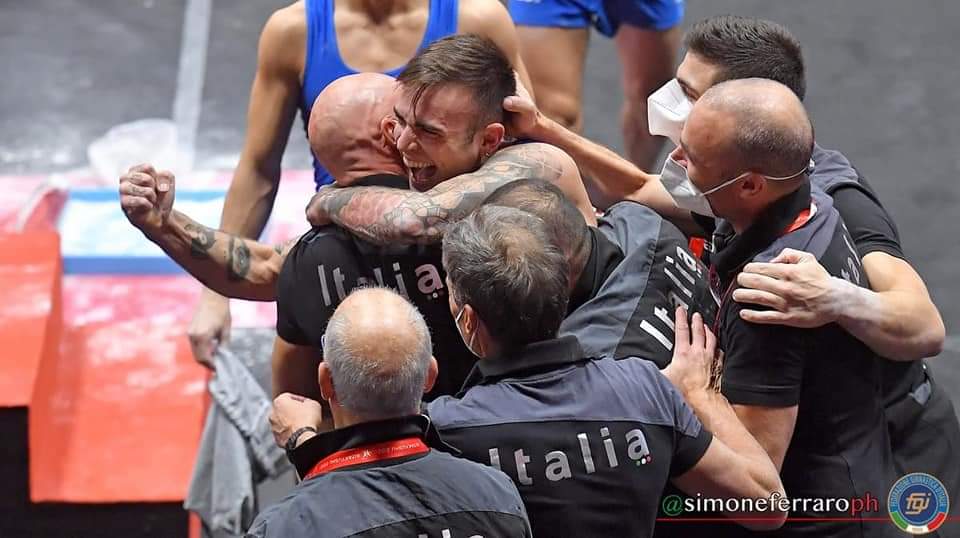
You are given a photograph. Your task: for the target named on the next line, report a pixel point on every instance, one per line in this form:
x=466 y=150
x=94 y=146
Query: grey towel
x=237 y=450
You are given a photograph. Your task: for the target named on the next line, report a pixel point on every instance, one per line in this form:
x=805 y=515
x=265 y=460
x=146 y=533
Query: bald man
x=346 y=135
x=811 y=397
x=377 y=366
x=246 y=269
x=326 y=262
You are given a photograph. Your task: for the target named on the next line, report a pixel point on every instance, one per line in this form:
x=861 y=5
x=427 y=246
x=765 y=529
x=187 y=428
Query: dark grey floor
x=882 y=85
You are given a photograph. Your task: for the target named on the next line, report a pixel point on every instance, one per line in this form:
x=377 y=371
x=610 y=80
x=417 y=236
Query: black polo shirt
x=872 y=229
x=328 y=262
x=425 y=494
x=638 y=272
x=840 y=446
x=590 y=443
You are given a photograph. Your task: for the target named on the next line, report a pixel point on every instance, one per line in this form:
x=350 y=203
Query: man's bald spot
x=382 y=328
x=344 y=126
x=771 y=132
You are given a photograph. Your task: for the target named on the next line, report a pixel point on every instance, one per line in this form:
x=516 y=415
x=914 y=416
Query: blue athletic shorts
x=605 y=15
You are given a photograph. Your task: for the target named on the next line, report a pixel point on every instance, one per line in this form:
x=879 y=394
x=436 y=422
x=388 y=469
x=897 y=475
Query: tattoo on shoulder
x=453 y=200
x=238 y=259
x=525 y=161
x=377 y=213
x=201 y=240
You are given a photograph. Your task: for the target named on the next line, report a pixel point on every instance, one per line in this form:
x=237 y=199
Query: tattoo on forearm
x=201 y=240
x=384 y=215
x=238 y=259
x=283 y=248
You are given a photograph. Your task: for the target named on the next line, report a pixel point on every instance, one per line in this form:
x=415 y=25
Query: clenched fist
x=146 y=197
x=292 y=412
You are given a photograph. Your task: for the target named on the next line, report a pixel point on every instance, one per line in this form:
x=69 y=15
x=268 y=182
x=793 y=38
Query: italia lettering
x=400 y=285
x=429 y=282
x=522 y=462
x=557 y=463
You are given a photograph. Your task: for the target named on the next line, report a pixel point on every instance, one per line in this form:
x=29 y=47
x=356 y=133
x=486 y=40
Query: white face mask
x=687 y=196
x=667 y=110
x=469 y=344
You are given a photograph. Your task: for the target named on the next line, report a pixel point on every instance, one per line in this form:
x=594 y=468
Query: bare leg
x=648 y=58
x=555 y=59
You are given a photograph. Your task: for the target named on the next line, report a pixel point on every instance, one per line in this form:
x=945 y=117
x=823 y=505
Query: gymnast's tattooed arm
x=227 y=264
x=388 y=216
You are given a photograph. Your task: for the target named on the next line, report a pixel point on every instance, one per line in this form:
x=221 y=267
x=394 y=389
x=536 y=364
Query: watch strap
x=292 y=440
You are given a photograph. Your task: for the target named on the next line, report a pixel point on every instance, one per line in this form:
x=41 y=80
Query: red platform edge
x=114 y=399
x=30 y=270
x=118 y=407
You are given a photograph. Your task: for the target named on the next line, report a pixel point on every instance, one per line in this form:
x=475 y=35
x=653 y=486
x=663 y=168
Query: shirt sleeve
x=287 y=327
x=689 y=450
x=870 y=226
x=763 y=364
x=305 y=456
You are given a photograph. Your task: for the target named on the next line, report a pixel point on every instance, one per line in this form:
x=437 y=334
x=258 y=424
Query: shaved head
x=377 y=347
x=763 y=123
x=344 y=128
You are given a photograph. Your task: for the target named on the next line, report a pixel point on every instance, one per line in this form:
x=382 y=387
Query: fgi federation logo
x=918 y=503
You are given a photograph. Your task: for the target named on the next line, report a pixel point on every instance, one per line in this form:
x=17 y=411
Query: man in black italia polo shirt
x=811 y=397
x=327 y=262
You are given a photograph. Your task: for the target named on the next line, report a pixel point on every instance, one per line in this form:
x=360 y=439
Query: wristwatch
x=292 y=440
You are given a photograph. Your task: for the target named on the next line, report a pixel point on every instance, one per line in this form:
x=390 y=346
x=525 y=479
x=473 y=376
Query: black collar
x=766 y=228
x=604 y=257
x=305 y=456
x=383 y=180
x=541 y=356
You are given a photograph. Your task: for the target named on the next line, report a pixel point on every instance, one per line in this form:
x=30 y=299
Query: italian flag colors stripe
x=903 y=524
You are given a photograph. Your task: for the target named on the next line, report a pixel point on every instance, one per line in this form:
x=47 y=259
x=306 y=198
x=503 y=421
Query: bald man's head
x=344 y=128
x=377 y=347
x=763 y=124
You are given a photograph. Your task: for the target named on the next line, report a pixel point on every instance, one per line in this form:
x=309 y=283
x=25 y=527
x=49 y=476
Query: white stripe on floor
x=190 y=78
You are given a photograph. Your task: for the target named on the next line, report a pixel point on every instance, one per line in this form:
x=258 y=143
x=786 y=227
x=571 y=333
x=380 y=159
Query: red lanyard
x=802 y=218
x=408 y=446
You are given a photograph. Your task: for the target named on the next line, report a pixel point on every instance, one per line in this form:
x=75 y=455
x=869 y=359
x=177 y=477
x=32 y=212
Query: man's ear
x=752 y=185
x=432 y=372
x=388 y=127
x=477 y=330
x=326 y=382
x=470 y=318
x=492 y=136
x=483 y=337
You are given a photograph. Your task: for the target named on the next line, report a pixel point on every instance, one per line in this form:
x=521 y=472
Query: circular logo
x=672 y=505
x=918 y=503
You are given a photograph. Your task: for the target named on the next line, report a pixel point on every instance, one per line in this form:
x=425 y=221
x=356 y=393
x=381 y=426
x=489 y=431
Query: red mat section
x=118 y=413
x=29 y=285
